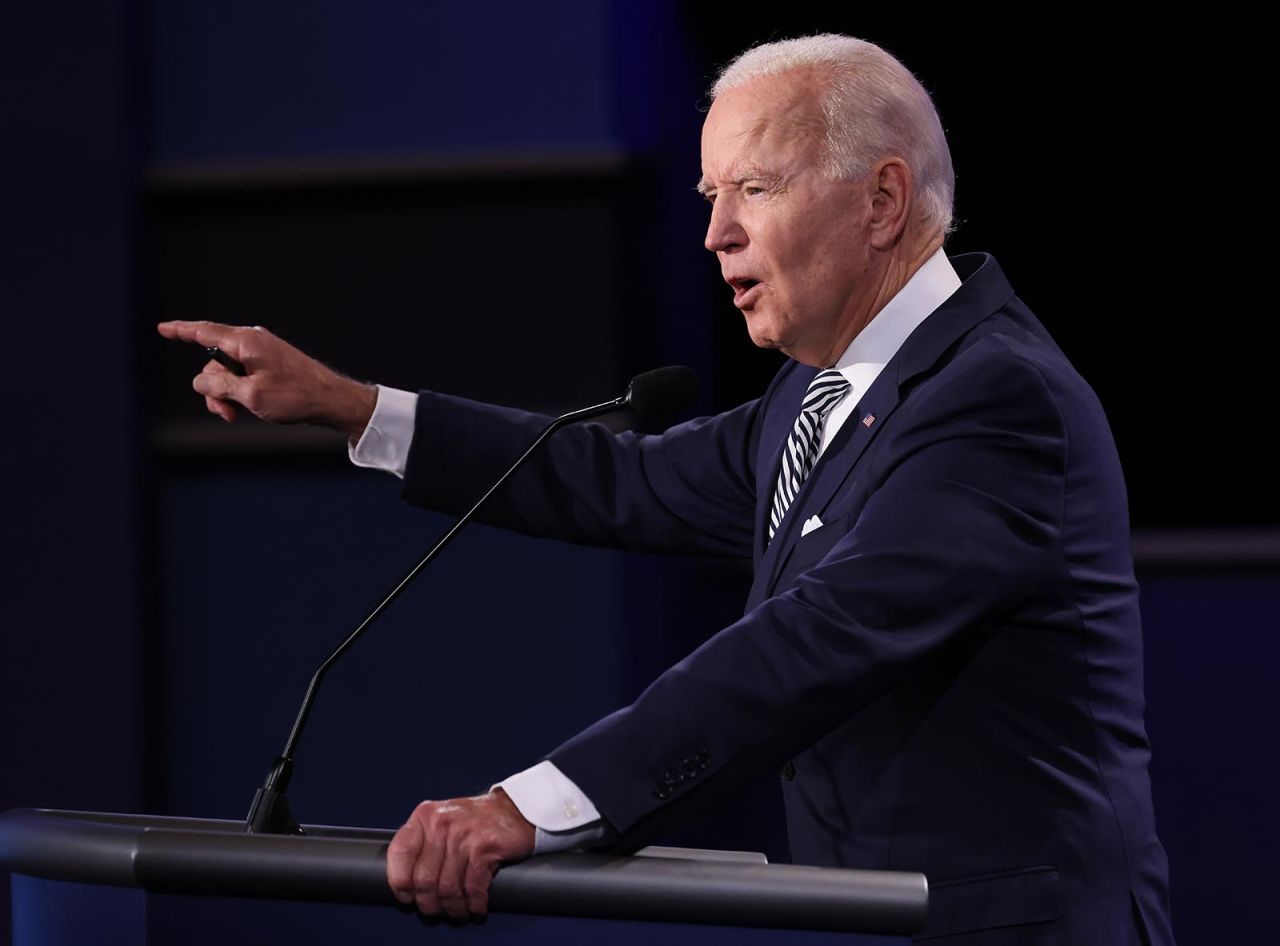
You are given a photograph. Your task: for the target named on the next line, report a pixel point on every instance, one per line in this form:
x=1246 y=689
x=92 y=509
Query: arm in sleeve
x=690 y=489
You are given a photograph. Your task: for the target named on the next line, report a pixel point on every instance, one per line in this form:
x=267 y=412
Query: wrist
x=354 y=407
x=507 y=802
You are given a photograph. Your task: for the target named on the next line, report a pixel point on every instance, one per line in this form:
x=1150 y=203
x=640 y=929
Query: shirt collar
x=930 y=286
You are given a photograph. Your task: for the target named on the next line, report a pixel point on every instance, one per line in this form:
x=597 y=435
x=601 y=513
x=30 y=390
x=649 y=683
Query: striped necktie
x=825 y=392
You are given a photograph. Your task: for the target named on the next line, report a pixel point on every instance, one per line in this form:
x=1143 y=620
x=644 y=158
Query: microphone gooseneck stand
x=653 y=393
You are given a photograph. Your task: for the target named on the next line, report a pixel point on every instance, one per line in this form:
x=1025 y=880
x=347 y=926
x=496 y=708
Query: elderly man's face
x=792 y=243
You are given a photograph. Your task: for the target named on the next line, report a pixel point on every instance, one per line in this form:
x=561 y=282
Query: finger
x=223 y=409
x=402 y=855
x=480 y=871
x=217 y=382
x=450 y=888
x=233 y=339
x=426 y=871
x=200 y=333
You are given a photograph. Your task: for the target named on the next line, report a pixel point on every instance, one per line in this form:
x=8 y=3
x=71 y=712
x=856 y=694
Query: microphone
x=653 y=394
x=662 y=391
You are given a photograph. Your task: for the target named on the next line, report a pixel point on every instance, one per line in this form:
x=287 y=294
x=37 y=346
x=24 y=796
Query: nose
x=725 y=233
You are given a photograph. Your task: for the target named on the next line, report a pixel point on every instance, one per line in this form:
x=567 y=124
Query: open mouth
x=742 y=290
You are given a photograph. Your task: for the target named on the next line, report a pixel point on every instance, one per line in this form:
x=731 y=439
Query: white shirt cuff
x=384 y=445
x=548 y=799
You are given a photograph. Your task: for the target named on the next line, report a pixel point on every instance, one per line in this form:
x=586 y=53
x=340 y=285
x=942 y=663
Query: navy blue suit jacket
x=952 y=663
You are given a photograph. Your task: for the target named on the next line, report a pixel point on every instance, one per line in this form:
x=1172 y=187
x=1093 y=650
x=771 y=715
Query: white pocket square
x=810 y=524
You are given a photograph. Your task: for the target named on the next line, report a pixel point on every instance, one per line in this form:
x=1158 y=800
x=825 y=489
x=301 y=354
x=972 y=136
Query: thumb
x=217 y=382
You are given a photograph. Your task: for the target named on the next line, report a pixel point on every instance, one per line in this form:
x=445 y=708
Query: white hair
x=872 y=107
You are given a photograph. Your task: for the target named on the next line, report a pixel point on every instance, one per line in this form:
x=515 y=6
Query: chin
x=760 y=335
x=764 y=341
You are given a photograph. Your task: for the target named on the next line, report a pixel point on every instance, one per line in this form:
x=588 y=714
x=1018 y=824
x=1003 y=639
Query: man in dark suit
x=941 y=650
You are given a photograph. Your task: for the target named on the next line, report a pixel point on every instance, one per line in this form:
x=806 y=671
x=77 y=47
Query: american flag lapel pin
x=868 y=420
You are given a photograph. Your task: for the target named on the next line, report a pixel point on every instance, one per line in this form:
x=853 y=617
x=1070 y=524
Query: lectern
x=91 y=877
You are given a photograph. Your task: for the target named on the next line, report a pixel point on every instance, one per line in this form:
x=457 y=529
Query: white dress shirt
x=562 y=814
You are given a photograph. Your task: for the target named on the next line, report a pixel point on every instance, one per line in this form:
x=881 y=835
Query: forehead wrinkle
x=795 y=125
x=743 y=139
x=792 y=128
x=744 y=167
x=800 y=119
x=798 y=116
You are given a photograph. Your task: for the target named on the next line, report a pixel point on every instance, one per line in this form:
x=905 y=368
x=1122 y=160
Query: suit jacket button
x=788 y=772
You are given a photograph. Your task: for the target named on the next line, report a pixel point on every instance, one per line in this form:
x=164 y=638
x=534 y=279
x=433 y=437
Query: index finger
x=402 y=855
x=209 y=334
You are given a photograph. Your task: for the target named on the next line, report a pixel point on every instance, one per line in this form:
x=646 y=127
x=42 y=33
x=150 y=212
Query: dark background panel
x=239 y=80
x=484 y=286
x=71 y=677
x=434 y=703
x=1212 y=649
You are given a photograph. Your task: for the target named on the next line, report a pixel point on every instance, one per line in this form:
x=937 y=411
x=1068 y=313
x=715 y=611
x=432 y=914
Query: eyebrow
x=742 y=176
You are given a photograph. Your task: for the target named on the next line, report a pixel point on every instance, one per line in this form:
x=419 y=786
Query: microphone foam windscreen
x=662 y=391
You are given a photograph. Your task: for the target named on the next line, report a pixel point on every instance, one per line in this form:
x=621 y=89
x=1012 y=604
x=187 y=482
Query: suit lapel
x=983 y=292
x=833 y=468
x=777 y=428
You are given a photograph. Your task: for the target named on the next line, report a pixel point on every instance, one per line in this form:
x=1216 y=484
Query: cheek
x=811 y=258
x=813 y=271
x=791 y=268
x=842 y=264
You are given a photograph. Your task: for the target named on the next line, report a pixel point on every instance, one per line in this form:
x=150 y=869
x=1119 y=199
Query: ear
x=891 y=199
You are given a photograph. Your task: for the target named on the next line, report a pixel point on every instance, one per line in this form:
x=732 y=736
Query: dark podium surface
x=114 y=878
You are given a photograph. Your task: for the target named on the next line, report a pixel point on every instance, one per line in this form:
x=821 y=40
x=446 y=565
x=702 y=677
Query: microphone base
x=270 y=814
